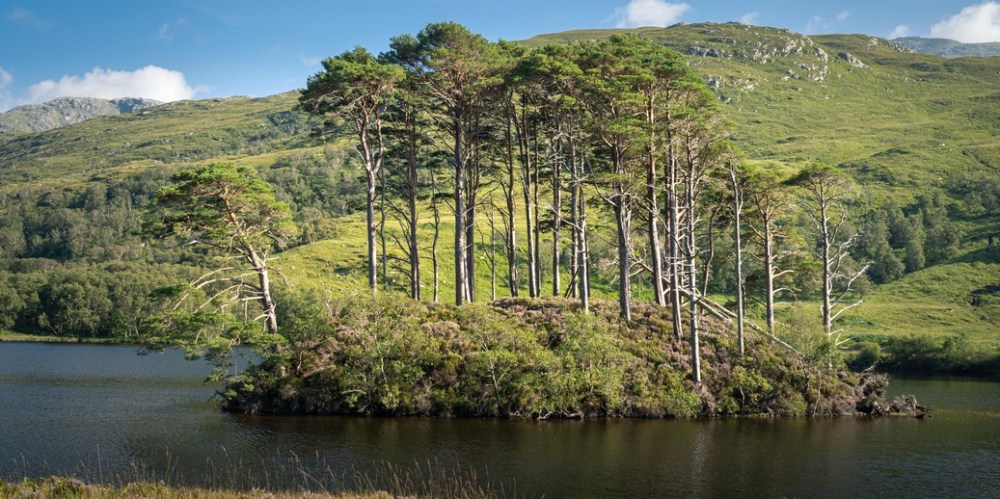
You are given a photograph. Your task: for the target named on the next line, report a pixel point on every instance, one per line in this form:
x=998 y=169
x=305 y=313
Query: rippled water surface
x=104 y=413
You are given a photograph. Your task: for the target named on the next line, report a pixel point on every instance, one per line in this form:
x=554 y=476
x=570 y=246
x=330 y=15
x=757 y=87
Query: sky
x=189 y=49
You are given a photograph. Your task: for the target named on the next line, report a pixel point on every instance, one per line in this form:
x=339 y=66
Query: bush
x=869 y=355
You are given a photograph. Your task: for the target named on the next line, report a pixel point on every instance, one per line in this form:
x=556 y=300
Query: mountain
x=949 y=48
x=67 y=111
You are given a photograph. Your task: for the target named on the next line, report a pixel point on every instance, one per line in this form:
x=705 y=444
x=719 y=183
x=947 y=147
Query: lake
x=101 y=412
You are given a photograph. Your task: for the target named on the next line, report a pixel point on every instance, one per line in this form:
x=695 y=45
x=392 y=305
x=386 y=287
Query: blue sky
x=177 y=49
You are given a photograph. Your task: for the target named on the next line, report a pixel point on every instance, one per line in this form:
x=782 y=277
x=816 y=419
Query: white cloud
x=166 y=31
x=27 y=18
x=974 y=24
x=817 y=23
x=650 y=13
x=150 y=82
x=750 y=17
x=901 y=31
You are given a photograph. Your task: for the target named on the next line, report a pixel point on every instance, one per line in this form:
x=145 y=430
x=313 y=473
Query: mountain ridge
x=65 y=111
x=946 y=47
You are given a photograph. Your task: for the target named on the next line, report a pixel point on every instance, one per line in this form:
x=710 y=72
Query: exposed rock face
x=67 y=111
x=853 y=61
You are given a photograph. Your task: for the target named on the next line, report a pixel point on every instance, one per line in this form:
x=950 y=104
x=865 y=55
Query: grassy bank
x=288 y=478
x=59 y=488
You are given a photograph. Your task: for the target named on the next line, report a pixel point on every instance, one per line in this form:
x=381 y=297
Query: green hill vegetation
x=915 y=133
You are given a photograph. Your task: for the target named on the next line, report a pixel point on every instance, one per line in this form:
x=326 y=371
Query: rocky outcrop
x=853 y=61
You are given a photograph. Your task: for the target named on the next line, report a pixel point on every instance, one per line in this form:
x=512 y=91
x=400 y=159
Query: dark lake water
x=103 y=413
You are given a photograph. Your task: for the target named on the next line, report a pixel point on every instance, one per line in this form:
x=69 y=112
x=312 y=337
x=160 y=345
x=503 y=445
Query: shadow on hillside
x=988 y=254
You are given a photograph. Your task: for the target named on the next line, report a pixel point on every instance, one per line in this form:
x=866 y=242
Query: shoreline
x=14 y=337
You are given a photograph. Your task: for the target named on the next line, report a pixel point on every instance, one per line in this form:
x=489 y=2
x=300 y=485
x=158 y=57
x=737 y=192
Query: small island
x=537 y=359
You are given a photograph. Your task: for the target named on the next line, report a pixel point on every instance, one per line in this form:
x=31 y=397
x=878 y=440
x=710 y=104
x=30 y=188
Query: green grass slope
x=898 y=121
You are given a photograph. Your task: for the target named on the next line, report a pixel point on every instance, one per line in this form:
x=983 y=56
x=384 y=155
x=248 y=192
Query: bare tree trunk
x=470 y=248
x=557 y=219
x=710 y=253
x=493 y=254
x=370 y=230
x=827 y=274
x=437 y=237
x=737 y=233
x=267 y=301
x=692 y=254
x=472 y=204
x=509 y=224
x=460 y=266
x=412 y=188
x=623 y=222
x=384 y=259
x=536 y=182
x=584 y=254
x=768 y=244
x=673 y=241
x=529 y=212
x=574 y=216
x=655 y=251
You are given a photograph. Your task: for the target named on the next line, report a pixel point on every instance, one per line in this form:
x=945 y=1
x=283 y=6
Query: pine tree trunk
x=673 y=241
x=737 y=239
x=556 y=223
x=370 y=229
x=769 y=275
x=584 y=254
x=411 y=180
x=827 y=274
x=459 y=199
x=655 y=251
x=622 y=223
x=264 y=281
x=692 y=253
x=510 y=225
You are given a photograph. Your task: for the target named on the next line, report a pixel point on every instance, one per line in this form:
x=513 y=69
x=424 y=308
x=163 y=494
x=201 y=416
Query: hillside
x=896 y=120
x=175 y=133
x=67 y=111
x=910 y=128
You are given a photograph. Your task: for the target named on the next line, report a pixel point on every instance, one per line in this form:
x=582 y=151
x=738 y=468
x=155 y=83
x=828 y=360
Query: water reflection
x=101 y=411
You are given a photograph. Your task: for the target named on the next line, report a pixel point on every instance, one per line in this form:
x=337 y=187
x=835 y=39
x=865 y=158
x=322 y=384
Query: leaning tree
x=230 y=211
